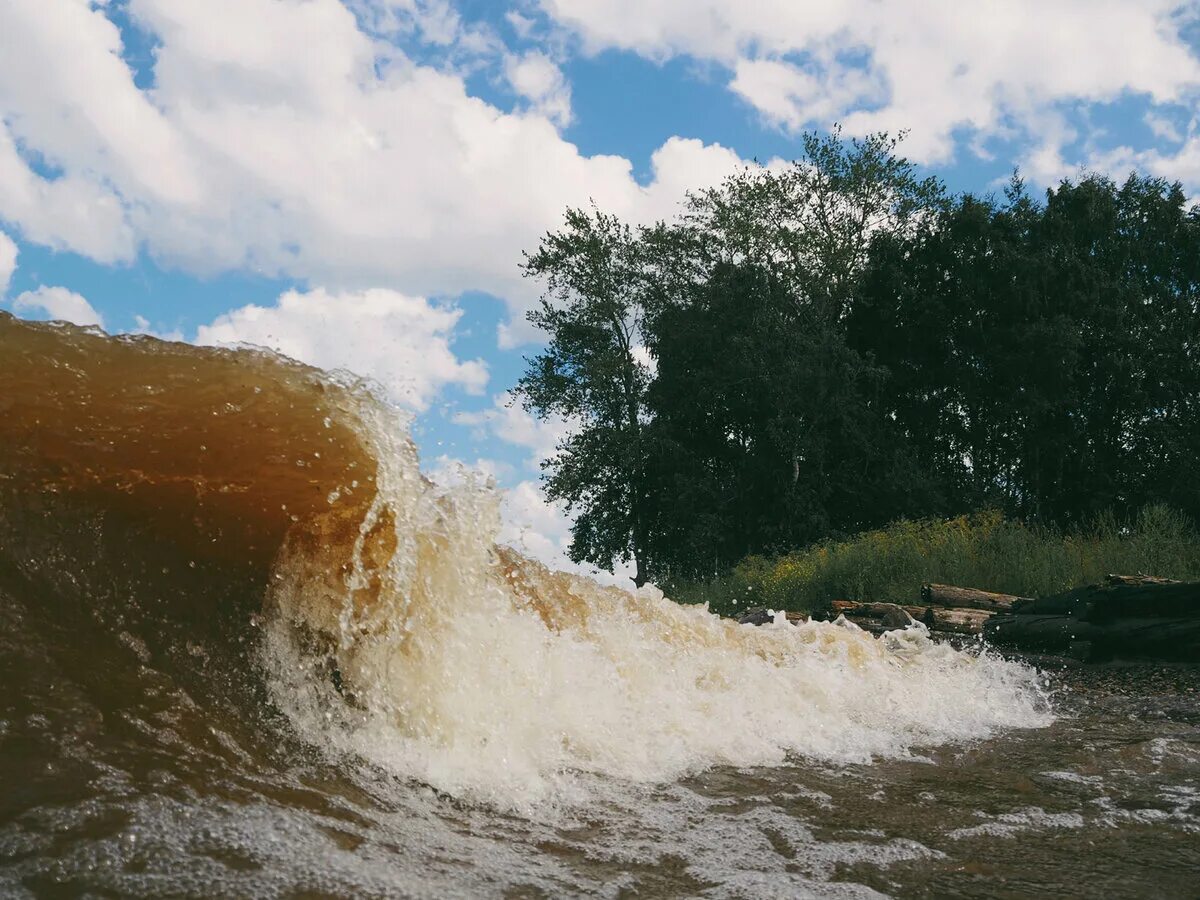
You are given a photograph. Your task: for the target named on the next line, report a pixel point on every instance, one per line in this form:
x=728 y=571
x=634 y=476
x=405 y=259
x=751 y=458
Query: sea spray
x=395 y=629
x=471 y=668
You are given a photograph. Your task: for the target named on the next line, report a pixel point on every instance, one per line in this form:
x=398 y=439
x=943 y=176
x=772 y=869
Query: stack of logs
x=943 y=607
x=1123 y=616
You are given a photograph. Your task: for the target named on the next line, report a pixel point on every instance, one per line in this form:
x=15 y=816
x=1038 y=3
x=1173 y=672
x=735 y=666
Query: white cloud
x=57 y=303
x=522 y=25
x=1181 y=164
x=1163 y=128
x=8 y=261
x=510 y=423
x=434 y=22
x=936 y=67
x=400 y=341
x=793 y=98
x=282 y=139
x=536 y=78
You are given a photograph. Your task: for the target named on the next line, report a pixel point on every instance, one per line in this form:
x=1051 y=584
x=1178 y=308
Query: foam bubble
x=485 y=675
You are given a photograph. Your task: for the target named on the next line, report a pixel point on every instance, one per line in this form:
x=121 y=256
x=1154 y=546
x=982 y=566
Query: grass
x=983 y=550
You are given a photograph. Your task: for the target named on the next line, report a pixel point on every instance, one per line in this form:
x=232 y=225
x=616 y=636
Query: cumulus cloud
x=292 y=140
x=535 y=77
x=936 y=67
x=8 y=261
x=792 y=97
x=510 y=423
x=57 y=303
x=402 y=342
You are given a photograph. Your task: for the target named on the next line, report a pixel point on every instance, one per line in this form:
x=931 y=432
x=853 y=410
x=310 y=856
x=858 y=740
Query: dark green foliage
x=764 y=436
x=815 y=351
x=1044 y=358
x=764 y=429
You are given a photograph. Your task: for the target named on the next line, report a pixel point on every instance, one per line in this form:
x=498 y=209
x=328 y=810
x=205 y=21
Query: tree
x=1042 y=357
x=811 y=222
x=593 y=373
x=765 y=432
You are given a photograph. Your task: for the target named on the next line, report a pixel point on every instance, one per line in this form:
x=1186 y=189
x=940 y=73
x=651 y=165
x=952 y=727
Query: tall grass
x=984 y=550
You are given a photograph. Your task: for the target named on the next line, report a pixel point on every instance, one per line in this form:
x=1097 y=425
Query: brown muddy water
x=247 y=650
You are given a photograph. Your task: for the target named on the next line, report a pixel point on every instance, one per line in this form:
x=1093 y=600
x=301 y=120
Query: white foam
x=1032 y=818
x=505 y=683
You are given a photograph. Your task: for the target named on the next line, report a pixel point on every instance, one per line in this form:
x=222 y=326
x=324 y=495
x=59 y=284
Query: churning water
x=246 y=649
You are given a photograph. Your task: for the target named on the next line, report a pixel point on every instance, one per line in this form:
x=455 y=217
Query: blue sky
x=353 y=181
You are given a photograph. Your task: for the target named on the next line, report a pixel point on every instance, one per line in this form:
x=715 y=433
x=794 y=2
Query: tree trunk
x=967 y=598
x=639 y=572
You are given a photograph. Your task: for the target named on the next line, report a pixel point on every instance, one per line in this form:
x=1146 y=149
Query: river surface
x=247 y=650
x=143 y=802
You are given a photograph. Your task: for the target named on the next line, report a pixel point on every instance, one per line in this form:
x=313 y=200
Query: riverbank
x=984 y=549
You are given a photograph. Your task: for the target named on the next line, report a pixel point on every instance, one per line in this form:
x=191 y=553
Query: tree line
x=824 y=347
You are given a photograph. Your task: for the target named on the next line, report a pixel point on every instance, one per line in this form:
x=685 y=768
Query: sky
x=353 y=182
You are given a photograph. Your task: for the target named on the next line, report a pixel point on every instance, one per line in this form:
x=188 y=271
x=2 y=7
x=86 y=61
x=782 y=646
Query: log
x=875 y=610
x=937 y=618
x=890 y=615
x=1119 y=600
x=959 y=621
x=760 y=615
x=1157 y=638
x=1043 y=632
x=1138 y=579
x=967 y=598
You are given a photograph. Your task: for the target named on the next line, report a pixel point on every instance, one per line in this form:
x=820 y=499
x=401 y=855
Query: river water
x=247 y=650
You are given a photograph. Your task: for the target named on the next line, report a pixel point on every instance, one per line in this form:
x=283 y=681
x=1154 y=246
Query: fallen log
x=1048 y=633
x=760 y=615
x=1159 y=638
x=892 y=615
x=889 y=615
x=1112 y=600
x=959 y=621
x=1138 y=579
x=967 y=598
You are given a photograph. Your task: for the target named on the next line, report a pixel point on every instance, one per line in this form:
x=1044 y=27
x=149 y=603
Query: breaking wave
x=260 y=533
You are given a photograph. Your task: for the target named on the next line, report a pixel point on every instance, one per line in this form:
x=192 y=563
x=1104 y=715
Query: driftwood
x=966 y=598
x=873 y=610
x=960 y=621
x=1128 y=597
x=892 y=615
x=1126 y=615
x=1138 y=579
x=760 y=615
x=1159 y=638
